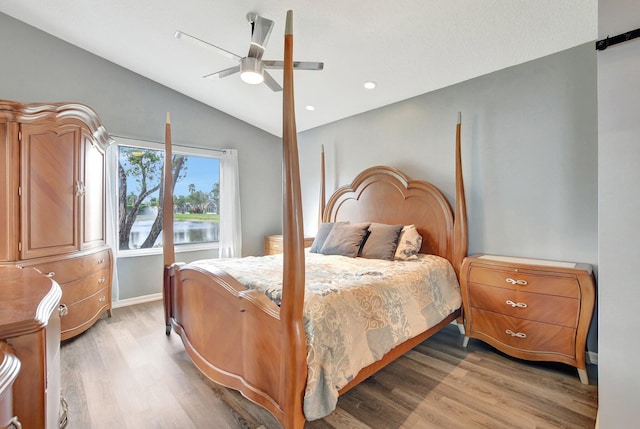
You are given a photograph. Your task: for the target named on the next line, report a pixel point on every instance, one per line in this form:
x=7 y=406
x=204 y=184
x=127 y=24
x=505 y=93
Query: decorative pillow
x=382 y=241
x=345 y=239
x=409 y=243
x=323 y=231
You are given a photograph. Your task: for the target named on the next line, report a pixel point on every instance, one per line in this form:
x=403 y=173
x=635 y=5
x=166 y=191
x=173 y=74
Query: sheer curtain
x=112 y=213
x=230 y=219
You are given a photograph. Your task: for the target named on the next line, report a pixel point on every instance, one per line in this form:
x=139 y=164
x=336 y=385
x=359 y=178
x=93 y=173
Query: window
x=196 y=196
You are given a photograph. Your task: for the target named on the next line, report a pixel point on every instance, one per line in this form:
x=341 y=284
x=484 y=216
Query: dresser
x=52 y=203
x=273 y=244
x=529 y=308
x=30 y=327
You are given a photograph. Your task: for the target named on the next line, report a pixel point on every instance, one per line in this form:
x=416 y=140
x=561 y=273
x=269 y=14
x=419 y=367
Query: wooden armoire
x=52 y=203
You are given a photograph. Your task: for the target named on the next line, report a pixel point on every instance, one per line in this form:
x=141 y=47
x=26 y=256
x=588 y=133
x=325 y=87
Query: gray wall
x=36 y=67
x=529 y=147
x=619 y=211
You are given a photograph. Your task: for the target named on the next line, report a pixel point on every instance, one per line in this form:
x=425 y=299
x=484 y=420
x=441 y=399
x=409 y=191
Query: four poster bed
x=291 y=349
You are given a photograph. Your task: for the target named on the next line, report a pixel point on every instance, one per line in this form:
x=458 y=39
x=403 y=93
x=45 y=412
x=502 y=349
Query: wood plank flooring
x=125 y=372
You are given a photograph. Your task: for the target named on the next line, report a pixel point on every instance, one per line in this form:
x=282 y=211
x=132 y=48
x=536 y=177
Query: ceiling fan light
x=251 y=70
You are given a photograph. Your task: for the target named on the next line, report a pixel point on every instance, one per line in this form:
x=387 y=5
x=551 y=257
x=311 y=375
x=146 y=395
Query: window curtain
x=230 y=216
x=112 y=213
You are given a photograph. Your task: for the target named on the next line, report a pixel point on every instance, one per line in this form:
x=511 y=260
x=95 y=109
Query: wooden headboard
x=386 y=195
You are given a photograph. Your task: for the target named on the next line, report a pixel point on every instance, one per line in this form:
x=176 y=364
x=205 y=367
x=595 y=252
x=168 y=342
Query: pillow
x=345 y=239
x=408 y=244
x=323 y=231
x=382 y=241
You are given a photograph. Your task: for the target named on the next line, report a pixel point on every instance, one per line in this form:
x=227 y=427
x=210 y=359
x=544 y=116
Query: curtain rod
x=603 y=44
x=172 y=144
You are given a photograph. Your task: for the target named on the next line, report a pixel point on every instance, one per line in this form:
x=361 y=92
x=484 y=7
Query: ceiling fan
x=252 y=67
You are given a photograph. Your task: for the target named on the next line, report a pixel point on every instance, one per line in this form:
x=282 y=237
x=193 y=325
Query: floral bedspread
x=355 y=310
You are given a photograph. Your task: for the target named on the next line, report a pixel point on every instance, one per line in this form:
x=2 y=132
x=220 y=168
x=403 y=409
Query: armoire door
x=49 y=189
x=93 y=198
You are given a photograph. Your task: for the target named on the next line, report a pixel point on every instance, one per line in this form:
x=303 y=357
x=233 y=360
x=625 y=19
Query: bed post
x=167 y=226
x=460 y=234
x=322 y=203
x=293 y=360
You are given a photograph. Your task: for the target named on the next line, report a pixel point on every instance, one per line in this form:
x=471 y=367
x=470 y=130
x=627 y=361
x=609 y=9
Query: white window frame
x=177 y=150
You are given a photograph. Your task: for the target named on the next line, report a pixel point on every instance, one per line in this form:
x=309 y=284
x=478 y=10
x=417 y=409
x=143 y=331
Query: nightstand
x=273 y=244
x=529 y=308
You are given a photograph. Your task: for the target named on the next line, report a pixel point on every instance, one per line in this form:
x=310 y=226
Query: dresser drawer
x=557 y=310
x=529 y=280
x=80 y=289
x=68 y=270
x=525 y=335
x=82 y=314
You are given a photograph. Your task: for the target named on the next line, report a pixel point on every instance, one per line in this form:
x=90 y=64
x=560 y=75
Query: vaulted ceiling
x=407 y=47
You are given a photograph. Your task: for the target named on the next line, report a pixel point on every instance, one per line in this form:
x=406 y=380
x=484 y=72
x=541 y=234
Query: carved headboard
x=386 y=195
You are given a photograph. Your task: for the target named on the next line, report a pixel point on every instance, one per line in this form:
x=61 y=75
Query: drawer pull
x=50 y=275
x=101 y=261
x=101 y=280
x=102 y=298
x=516 y=282
x=15 y=423
x=516 y=304
x=63 y=310
x=516 y=334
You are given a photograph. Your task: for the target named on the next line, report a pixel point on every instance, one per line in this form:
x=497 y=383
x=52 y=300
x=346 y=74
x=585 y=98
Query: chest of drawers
x=530 y=309
x=85 y=279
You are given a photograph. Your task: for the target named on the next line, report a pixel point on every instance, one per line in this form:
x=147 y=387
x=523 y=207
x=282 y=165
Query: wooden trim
x=323 y=200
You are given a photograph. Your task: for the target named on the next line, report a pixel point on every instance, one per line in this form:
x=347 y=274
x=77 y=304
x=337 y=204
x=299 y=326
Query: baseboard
x=136 y=300
x=592 y=358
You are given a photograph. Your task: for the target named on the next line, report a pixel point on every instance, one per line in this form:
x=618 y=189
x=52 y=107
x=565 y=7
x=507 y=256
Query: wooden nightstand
x=529 y=308
x=273 y=244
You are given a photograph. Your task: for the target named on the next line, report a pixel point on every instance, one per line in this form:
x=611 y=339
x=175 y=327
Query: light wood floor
x=125 y=372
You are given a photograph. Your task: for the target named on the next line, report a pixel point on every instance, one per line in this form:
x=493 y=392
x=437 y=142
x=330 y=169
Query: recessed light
x=370 y=85
x=310 y=108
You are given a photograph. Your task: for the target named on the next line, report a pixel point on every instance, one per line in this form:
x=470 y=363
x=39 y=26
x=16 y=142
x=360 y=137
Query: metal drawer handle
x=516 y=282
x=516 y=334
x=101 y=260
x=516 y=304
x=80 y=188
x=63 y=310
x=101 y=280
x=15 y=423
x=50 y=275
x=102 y=298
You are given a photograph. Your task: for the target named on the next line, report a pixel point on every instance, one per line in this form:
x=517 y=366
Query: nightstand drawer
x=531 y=281
x=556 y=310
x=525 y=335
x=273 y=244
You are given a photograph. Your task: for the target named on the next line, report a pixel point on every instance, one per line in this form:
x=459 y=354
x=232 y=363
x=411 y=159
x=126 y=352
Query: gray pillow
x=323 y=231
x=381 y=242
x=345 y=239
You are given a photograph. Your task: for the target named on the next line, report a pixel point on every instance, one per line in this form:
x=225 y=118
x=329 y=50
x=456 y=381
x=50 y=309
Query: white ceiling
x=409 y=47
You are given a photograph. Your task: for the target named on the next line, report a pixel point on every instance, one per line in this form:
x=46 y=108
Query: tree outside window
x=196 y=190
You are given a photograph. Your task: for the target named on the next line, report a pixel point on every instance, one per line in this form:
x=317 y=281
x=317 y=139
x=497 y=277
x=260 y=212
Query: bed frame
x=238 y=337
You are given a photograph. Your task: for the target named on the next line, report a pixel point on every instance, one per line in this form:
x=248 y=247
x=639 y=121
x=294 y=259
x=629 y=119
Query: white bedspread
x=355 y=310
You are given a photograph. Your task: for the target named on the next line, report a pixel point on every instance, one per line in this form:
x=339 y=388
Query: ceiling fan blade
x=271 y=82
x=260 y=32
x=300 y=65
x=180 y=35
x=223 y=73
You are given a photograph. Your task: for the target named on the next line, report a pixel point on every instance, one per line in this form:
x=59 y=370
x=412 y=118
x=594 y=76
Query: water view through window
x=196 y=198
